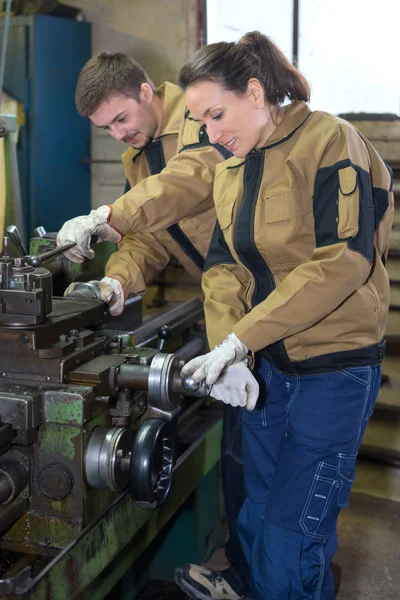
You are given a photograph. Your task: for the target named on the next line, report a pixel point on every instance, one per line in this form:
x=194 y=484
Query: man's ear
x=255 y=92
x=146 y=93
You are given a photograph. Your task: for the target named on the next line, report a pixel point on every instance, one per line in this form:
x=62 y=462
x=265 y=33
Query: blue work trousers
x=299 y=451
x=234 y=489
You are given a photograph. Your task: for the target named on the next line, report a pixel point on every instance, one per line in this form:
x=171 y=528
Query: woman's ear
x=255 y=92
x=146 y=93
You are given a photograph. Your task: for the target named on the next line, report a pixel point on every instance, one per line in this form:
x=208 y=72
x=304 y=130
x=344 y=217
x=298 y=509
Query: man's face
x=127 y=120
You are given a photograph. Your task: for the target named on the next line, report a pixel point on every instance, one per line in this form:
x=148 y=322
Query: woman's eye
x=218 y=116
x=122 y=120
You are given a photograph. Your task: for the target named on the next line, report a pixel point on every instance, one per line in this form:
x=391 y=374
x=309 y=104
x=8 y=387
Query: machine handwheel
x=152 y=462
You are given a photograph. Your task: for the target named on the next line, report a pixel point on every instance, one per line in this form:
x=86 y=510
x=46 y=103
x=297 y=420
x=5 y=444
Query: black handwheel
x=152 y=461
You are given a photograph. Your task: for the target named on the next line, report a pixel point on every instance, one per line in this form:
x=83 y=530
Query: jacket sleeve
x=184 y=188
x=350 y=214
x=223 y=285
x=140 y=257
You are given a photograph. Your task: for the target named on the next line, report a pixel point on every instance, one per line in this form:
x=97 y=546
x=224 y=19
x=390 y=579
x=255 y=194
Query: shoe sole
x=189 y=591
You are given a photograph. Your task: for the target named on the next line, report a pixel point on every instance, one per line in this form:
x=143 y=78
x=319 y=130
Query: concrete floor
x=369 y=546
x=368 y=554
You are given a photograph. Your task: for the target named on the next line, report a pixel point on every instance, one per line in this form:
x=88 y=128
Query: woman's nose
x=214 y=133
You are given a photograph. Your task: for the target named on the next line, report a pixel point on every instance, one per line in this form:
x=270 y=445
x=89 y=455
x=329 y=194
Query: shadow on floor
x=367 y=558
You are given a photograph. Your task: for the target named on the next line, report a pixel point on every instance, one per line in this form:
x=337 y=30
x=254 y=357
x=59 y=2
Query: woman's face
x=240 y=123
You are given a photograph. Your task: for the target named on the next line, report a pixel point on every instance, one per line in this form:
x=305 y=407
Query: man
x=169 y=211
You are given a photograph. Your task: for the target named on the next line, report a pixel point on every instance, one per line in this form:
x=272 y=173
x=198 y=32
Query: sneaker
x=201 y=583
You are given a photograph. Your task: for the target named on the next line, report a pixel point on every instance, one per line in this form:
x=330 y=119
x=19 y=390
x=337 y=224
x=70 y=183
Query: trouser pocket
x=346 y=473
x=329 y=492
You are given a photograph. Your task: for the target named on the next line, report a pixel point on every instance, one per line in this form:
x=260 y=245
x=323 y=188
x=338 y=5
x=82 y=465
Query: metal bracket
x=21 y=409
x=8 y=124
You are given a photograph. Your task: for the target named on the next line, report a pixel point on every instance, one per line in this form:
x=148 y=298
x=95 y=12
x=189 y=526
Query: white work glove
x=81 y=230
x=237 y=386
x=110 y=291
x=210 y=366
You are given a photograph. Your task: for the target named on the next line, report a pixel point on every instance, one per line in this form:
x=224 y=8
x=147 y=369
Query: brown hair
x=106 y=74
x=232 y=64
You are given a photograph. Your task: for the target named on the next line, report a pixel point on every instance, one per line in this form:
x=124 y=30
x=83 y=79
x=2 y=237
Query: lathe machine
x=95 y=424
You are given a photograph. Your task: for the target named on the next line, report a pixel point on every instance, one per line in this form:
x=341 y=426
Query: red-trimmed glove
x=81 y=229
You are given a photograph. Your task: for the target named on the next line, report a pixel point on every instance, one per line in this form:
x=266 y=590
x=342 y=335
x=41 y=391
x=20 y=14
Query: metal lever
x=14 y=234
x=36 y=261
x=164 y=333
x=195 y=388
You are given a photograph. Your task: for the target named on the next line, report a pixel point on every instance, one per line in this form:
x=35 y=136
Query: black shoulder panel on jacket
x=381 y=199
x=325 y=205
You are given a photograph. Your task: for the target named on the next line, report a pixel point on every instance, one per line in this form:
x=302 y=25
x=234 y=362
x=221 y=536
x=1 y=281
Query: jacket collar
x=294 y=115
x=172 y=118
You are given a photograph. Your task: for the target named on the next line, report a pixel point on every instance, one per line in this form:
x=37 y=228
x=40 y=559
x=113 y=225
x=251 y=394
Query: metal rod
x=36 y=261
x=189 y=311
x=193 y=348
x=4 y=47
x=133 y=377
x=16 y=187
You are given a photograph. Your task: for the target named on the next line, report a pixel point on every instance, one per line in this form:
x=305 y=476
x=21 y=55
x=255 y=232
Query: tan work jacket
x=168 y=211
x=296 y=268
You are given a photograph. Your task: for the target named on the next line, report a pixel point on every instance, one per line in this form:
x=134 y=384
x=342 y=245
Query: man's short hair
x=105 y=75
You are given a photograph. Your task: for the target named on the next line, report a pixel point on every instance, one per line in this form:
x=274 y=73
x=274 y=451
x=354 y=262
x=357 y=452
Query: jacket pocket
x=348 y=203
x=284 y=227
x=286 y=205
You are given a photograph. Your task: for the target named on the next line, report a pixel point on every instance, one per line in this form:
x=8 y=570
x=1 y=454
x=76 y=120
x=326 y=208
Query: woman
x=295 y=277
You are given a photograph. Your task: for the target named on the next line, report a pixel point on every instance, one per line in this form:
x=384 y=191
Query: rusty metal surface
x=59 y=381
x=65 y=579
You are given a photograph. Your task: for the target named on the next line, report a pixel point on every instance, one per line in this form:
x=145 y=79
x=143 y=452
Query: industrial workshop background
x=75 y=479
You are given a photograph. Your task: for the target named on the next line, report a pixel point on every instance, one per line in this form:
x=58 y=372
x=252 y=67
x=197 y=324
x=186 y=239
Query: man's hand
x=237 y=386
x=81 y=229
x=110 y=291
x=210 y=366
